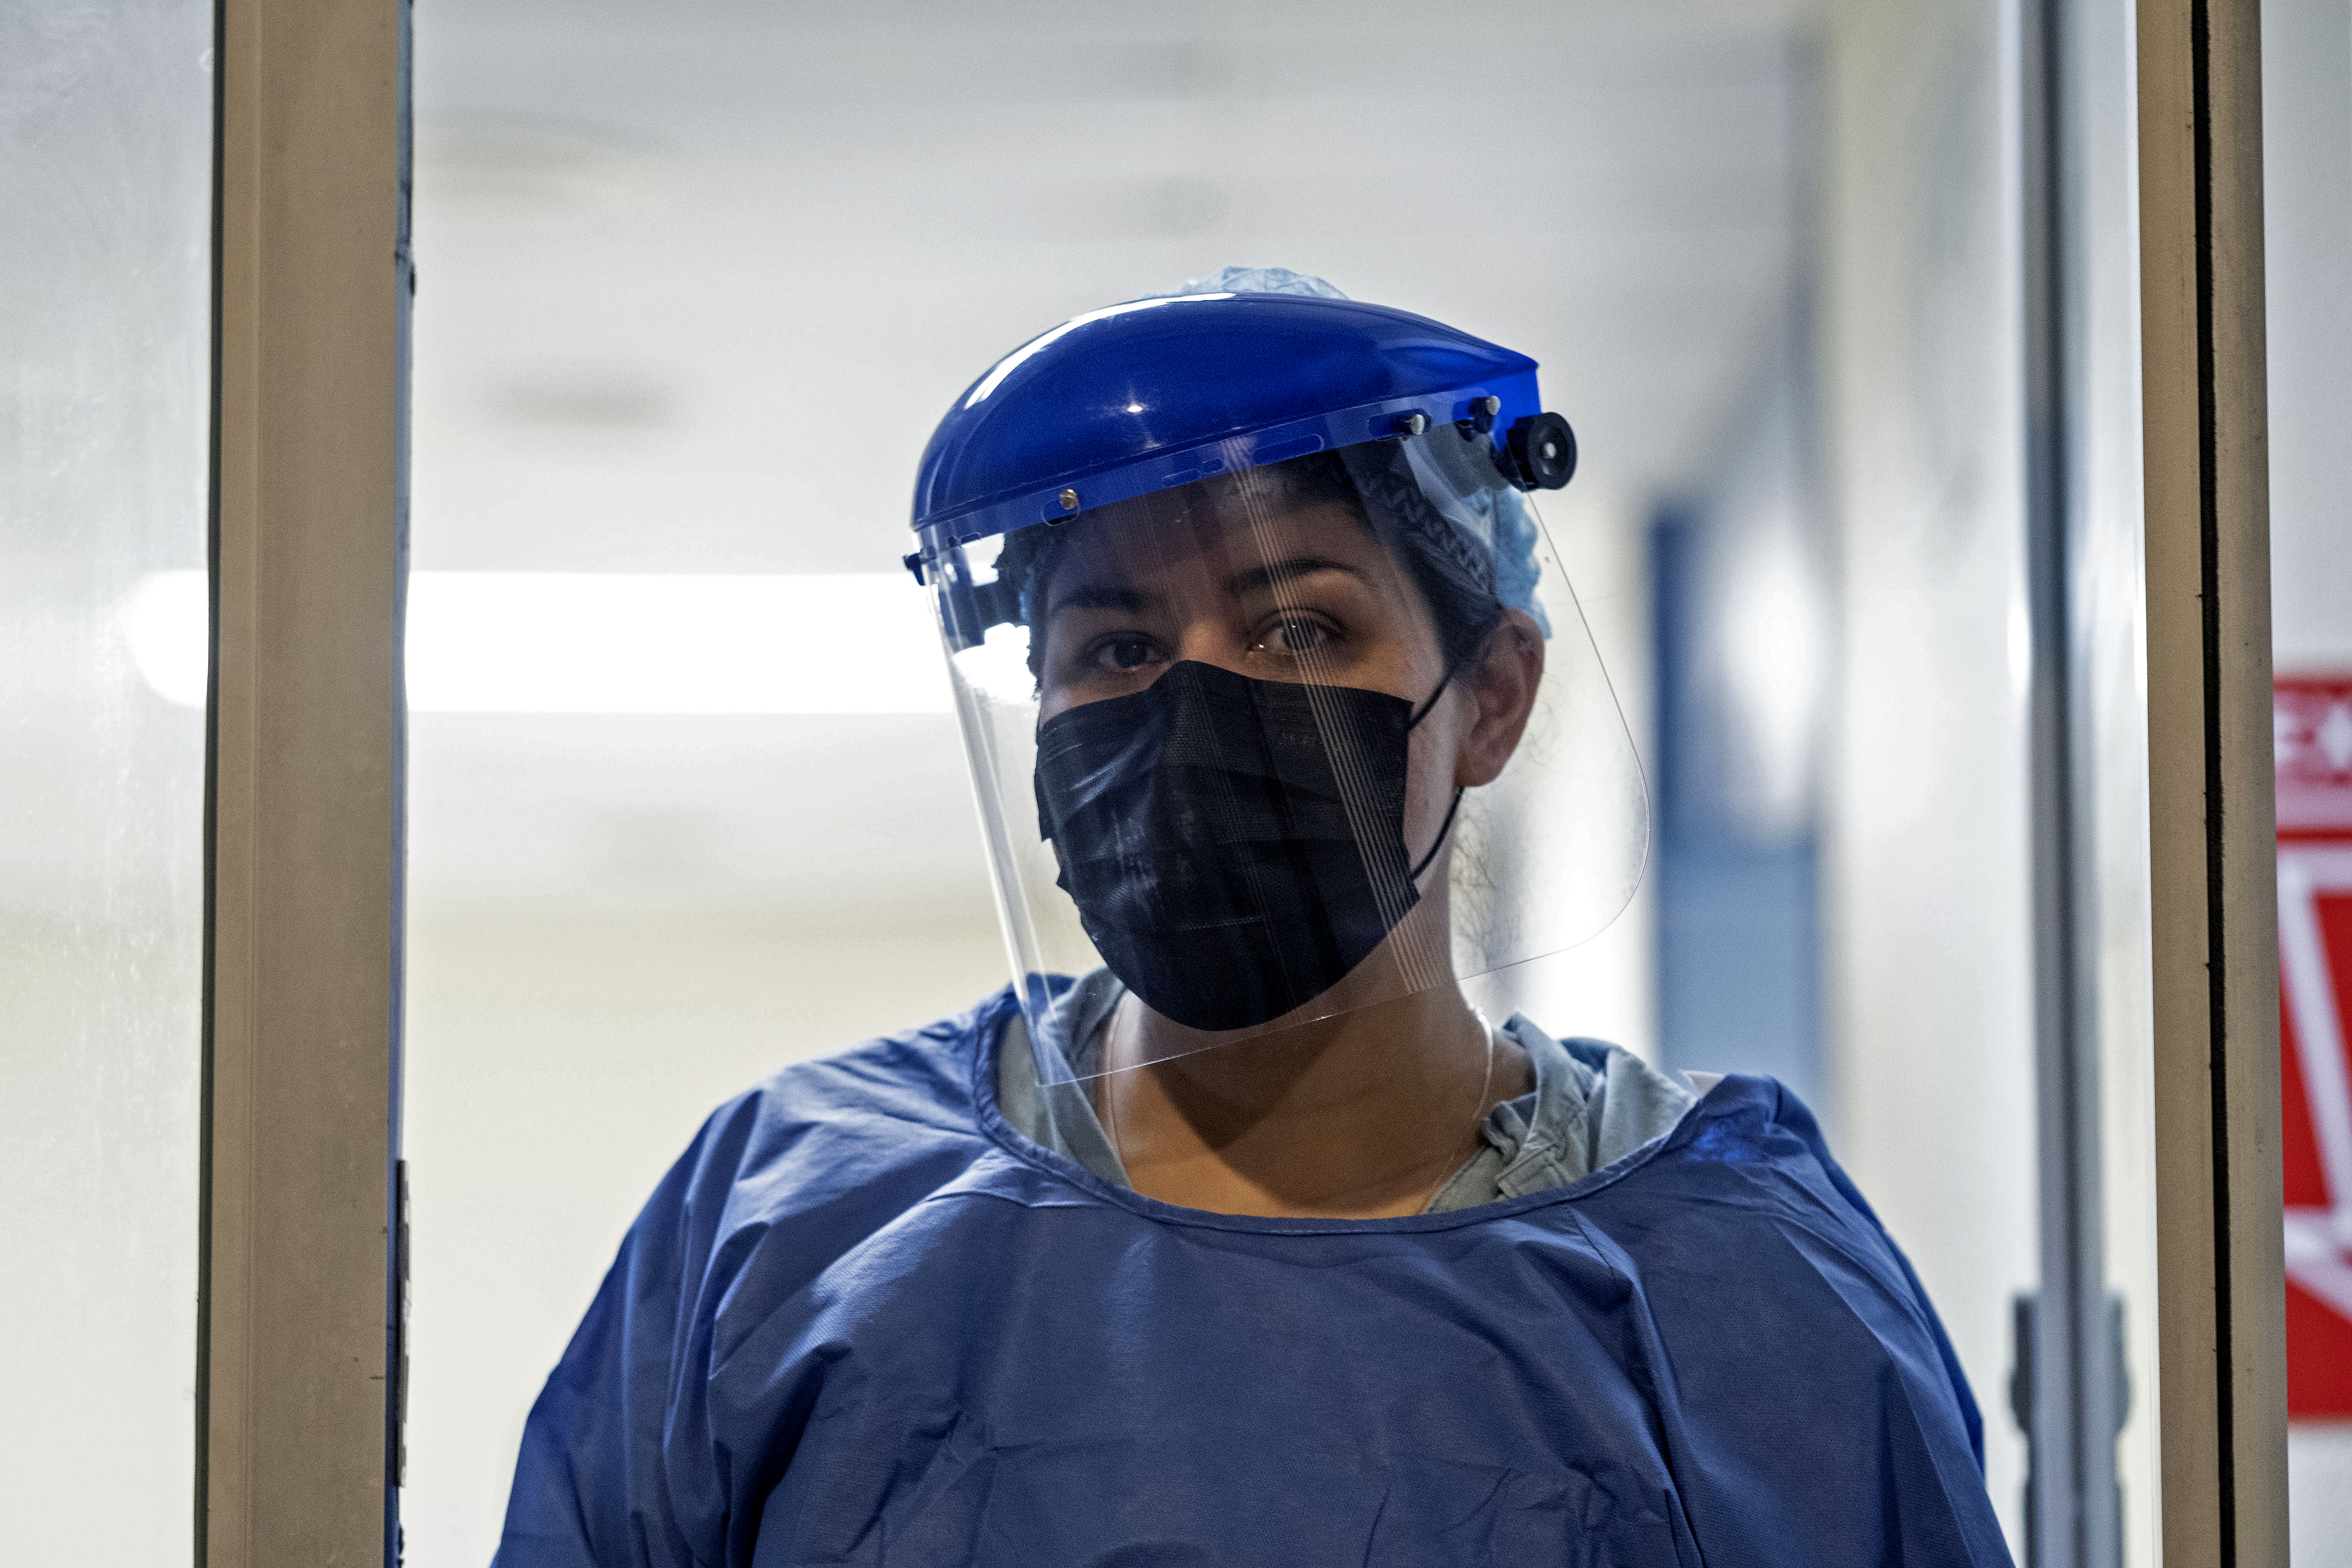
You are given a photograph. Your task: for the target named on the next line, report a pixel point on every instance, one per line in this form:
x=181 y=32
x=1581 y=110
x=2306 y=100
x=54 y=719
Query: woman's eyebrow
x=1258 y=579
x=1101 y=596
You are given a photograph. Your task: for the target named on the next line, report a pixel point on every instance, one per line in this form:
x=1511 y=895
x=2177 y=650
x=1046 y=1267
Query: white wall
x=2307 y=197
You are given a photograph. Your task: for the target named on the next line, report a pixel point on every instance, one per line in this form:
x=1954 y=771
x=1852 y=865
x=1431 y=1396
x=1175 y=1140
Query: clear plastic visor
x=1285 y=743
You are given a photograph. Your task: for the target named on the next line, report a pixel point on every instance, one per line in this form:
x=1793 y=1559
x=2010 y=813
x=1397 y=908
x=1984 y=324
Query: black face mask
x=1231 y=857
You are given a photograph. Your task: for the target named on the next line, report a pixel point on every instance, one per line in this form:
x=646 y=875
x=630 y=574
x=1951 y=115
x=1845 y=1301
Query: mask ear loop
x=1444 y=828
x=1447 y=825
x=1422 y=712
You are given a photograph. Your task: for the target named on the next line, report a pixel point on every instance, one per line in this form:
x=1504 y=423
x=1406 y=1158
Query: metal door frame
x=297 y=1361
x=2220 y=1265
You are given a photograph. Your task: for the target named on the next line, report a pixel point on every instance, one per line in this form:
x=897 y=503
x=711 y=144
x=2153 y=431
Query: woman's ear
x=1502 y=689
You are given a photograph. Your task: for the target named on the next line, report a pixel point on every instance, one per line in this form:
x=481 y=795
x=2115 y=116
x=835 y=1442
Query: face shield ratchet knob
x=1544 y=447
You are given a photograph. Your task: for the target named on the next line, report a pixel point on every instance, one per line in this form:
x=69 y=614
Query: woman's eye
x=1299 y=633
x=1119 y=654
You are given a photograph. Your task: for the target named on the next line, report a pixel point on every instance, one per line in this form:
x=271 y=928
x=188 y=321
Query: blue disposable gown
x=863 y=1322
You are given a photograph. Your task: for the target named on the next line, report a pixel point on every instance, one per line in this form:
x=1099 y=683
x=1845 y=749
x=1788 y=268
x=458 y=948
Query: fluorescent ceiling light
x=572 y=642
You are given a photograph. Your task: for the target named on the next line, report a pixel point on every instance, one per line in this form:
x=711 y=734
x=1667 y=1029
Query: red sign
x=2311 y=727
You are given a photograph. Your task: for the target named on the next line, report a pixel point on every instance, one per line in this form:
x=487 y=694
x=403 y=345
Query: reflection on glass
x=2307 y=217
x=612 y=642
x=106 y=114
x=1926 y=851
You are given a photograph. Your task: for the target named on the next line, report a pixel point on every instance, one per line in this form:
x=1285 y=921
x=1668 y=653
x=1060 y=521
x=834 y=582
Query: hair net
x=1257 y=280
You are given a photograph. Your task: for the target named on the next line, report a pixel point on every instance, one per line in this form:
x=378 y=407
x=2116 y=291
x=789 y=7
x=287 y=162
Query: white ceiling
x=696 y=279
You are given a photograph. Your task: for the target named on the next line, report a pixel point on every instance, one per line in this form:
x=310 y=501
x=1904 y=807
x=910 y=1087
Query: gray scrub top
x=1572 y=1122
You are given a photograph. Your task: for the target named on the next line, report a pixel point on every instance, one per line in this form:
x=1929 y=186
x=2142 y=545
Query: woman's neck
x=1358 y=1116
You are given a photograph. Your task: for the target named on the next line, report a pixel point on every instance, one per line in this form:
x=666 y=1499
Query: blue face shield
x=1223 y=579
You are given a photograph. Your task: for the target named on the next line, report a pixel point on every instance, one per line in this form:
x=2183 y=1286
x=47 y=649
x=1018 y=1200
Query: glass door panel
x=106 y=111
